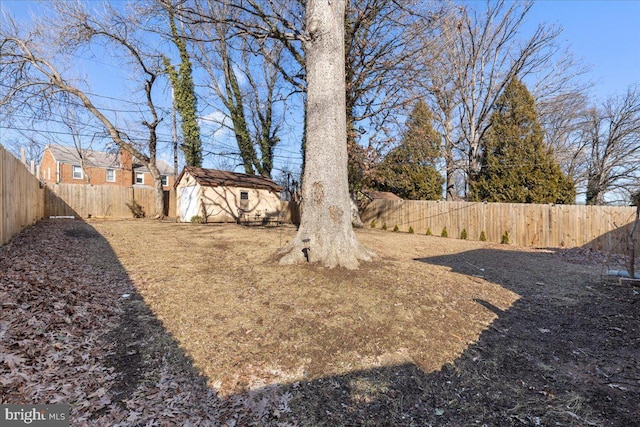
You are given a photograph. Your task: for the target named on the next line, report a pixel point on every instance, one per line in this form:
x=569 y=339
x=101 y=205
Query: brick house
x=64 y=164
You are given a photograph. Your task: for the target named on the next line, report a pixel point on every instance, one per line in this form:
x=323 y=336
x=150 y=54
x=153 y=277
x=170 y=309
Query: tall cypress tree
x=409 y=169
x=517 y=166
x=186 y=100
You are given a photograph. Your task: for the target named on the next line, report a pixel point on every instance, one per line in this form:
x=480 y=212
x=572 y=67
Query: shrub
x=429 y=233
x=384 y=226
x=483 y=236
x=395 y=228
x=373 y=224
x=136 y=209
x=505 y=238
x=197 y=219
x=410 y=230
x=463 y=235
x=444 y=233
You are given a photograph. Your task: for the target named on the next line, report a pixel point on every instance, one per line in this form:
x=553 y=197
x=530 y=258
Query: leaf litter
x=156 y=323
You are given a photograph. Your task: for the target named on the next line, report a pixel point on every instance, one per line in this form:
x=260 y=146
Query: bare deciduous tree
x=264 y=96
x=382 y=48
x=183 y=91
x=468 y=66
x=562 y=117
x=325 y=234
x=248 y=89
x=81 y=138
x=611 y=135
x=33 y=63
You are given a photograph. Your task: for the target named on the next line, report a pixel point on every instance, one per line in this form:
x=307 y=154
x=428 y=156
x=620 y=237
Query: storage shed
x=223 y=196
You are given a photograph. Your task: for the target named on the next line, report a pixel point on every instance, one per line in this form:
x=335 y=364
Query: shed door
x=188 y=203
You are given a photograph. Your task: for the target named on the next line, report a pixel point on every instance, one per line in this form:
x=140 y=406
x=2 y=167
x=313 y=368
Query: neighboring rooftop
x=103 y=159
x=163 y=167
x=70 y=155
x=218 y=178
x=381 y=195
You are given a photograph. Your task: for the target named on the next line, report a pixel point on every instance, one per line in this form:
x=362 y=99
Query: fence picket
x=598 y=227
x=21 y=198
x=23 y=202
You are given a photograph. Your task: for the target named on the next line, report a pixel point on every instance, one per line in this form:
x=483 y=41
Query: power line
x=79 y=104
x=231 y=155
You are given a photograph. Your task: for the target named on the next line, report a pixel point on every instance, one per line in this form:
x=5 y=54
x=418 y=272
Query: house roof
x=102 y=159
x=68 y=154
x=163 y=167
x=381 y=195
x=218 y=178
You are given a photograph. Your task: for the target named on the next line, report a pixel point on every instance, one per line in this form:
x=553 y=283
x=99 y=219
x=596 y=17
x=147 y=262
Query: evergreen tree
x=517 y=166
x=185 y=98
x=409 y=169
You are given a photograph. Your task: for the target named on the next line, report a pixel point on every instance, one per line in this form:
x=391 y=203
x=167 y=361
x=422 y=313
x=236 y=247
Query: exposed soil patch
x=439 y=332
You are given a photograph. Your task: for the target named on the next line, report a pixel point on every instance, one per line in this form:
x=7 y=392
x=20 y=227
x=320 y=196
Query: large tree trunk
x=159 y=196
x=595 y=193
x=450 y=166
x=325 y=225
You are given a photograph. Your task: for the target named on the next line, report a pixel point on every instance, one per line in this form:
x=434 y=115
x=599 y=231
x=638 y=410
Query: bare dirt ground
x=156 y=323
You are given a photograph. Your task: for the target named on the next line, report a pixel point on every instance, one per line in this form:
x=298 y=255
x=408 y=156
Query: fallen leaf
x=12 y=360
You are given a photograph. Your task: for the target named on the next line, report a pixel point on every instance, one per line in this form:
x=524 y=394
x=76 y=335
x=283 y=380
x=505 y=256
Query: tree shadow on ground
x=154 y=380
x=566 y=353
x=617 y=240
x=78 y=333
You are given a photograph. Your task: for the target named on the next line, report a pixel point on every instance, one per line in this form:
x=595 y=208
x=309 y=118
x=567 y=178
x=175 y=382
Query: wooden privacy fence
x=21 y=198
x=102 y=201
x=107 y=201
x=23 y=202
x=598 y=227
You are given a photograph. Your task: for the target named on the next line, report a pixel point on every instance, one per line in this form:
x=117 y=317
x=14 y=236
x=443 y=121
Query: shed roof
x=218 y=178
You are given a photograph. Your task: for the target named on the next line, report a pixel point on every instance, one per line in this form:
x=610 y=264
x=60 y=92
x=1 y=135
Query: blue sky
x=604 y=34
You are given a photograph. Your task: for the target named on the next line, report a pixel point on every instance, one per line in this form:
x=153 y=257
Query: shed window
x=111 y=175
x=139 y=177
x=77 y=172
x=165 y=180
x=244 y=200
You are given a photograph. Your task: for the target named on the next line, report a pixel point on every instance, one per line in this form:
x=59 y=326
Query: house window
x=111 y=175
x=165 y=180
x=77 y=172
x=139 y=177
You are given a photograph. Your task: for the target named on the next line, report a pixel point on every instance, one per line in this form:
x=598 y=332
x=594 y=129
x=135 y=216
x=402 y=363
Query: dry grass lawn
x=248 y=322
x=437 y=331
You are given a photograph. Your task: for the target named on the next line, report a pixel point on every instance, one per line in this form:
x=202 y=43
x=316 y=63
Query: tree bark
x=450 y=165
x=325 y=227
x=159 y=191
